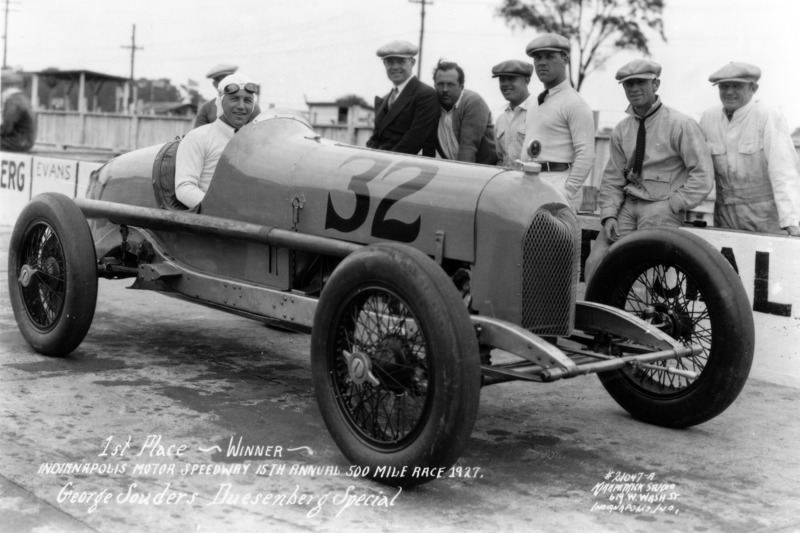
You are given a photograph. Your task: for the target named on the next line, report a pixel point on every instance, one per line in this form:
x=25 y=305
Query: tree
x=597 y=28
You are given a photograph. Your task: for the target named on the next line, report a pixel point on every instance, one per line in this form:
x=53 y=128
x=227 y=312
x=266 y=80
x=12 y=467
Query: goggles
x=233 y=88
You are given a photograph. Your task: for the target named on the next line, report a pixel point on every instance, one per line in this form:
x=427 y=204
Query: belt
x=547 y=166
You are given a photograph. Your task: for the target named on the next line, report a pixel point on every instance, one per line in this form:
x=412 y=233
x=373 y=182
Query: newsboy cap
x=736 y=71
x=513 y=67
x=11 y=78
x=642 y=69
x=548 y=42
x=223 y=69
x=398 y=49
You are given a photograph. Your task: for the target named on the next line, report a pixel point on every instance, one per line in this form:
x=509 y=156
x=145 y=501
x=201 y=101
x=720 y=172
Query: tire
x=52 y=274
x=409 y=395
x=698 y=299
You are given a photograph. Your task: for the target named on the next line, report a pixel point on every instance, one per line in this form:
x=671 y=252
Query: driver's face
x=237 y=107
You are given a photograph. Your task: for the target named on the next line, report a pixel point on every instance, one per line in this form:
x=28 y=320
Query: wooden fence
x=107 y=131
x=121 y=133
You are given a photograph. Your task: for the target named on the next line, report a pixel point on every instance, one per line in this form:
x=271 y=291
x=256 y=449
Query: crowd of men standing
x=662 y=162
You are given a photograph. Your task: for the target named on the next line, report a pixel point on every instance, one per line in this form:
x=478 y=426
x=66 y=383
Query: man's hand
x=612 y=230
x=794 y=231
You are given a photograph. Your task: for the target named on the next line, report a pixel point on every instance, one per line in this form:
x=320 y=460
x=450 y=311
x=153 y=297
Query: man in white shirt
x=560 y=129
x=199 y=152
x=756 y=167
x=513 y=76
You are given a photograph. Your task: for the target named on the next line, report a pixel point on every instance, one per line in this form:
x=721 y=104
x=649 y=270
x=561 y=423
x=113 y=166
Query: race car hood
x=278 y=172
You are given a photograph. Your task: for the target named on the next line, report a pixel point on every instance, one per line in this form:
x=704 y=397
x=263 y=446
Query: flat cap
x=548 y=42
x=736 y=71
x=223 y=69
x=11 y=77
x=513 y=67
x=642 y=69
x=398 y=49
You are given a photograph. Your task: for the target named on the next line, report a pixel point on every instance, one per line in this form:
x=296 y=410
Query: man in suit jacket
x=466 y=130
x=405 y=119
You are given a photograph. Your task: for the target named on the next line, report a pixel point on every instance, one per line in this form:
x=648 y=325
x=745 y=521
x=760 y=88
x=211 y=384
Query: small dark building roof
x=344 y=101
x=74 y=74
x=166 y=107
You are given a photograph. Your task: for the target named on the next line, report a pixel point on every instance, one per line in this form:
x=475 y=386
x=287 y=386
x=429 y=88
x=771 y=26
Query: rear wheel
x=395 y=364
x=681 y=284
x=52 y=274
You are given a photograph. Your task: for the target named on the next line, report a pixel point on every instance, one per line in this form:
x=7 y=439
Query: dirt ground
x=138 y=429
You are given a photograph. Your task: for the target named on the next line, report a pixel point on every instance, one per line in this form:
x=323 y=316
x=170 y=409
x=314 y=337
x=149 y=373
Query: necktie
x=542 y=96
x=638 y=158
x=392 y=97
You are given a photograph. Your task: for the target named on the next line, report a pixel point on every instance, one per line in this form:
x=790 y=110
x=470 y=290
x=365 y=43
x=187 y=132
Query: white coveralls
x=756 y=169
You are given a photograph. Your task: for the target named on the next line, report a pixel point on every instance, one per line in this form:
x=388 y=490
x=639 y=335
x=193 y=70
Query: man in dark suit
x=466 y=130
x=407 y=118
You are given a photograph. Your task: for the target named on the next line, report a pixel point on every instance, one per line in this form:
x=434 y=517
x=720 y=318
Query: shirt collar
x=225 y=126
x=524 y=105
x=458 y=102
x=741 y=112
x=632 y=113
x=403 y=85
x=8 y=92
x=561 y=86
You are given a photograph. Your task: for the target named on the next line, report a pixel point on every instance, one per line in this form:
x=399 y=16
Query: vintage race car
x=420 y=281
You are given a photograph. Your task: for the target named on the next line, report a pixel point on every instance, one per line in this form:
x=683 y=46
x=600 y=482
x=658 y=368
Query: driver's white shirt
x=196 y=160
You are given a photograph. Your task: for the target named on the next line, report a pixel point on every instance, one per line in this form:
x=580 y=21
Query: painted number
x=358 y=184
x=382 y=226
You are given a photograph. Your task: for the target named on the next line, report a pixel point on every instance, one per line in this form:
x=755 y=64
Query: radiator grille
x=550 y=258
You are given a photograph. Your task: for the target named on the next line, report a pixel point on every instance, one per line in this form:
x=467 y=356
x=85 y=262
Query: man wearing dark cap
x=560 y=128
x=407 y=118
x=18 y=129
x=755 y=161
x=514 y=76
x=466 y=129
x=659 y=168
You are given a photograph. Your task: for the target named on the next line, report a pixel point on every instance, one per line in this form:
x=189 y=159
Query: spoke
x=670 y=290
x=382 y=328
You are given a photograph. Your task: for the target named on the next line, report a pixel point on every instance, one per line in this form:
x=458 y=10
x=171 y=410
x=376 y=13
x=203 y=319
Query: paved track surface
x=155 y=366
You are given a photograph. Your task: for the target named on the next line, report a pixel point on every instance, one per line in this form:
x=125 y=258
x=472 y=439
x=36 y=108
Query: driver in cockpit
x=199 y=152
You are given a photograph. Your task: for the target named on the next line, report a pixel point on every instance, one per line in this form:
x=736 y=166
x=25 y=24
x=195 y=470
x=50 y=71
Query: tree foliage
x=597 y=28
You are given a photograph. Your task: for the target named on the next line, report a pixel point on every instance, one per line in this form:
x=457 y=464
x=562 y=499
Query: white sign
x=15 y=185
x=54 y=175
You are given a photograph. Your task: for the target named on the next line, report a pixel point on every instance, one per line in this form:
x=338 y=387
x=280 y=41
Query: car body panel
x=356 y=194
x=277 y=172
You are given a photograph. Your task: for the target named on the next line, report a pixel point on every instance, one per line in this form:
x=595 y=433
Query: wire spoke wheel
x=681 y=285
x=52 y=274
x=666 y=296
x=42 y=275
x=381 y=367
x=395 y=363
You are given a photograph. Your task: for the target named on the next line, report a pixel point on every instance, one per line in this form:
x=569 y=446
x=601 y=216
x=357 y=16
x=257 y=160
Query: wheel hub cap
x=359 y=366
x=26 y=274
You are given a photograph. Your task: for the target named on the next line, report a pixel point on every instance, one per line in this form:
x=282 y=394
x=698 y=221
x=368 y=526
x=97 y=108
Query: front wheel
x=395 y=364
x=681 y=284
x=52 y=274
